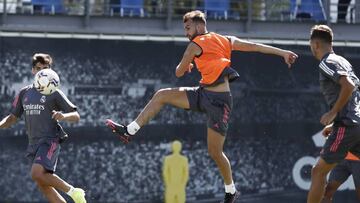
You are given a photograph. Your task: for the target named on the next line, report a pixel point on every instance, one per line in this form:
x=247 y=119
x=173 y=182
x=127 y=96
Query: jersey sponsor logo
x=43 y=99
x=33 y=109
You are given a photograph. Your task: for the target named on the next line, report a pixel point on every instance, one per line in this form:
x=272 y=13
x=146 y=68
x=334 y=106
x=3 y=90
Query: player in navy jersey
x=42 y=114
x=340 y=87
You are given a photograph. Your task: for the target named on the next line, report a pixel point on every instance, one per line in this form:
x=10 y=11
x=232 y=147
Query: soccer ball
x=46 y=81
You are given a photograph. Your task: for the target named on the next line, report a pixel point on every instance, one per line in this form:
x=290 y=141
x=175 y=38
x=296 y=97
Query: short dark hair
x=322 y=32
x=196 y=16
x=42 y=58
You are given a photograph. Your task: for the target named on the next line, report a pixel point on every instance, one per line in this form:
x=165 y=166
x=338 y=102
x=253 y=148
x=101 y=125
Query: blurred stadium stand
x=276 y=111
x=265 y=19
x=128 y=8
x=47 y=6
x=217 y=8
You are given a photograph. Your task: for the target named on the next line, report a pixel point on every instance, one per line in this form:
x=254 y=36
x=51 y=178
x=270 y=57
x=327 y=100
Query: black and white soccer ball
x=46 y=81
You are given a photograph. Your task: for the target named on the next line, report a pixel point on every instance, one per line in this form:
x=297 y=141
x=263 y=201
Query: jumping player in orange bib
x=211 y=53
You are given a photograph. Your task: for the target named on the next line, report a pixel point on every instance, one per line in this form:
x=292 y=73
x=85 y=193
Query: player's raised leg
x=174 y=96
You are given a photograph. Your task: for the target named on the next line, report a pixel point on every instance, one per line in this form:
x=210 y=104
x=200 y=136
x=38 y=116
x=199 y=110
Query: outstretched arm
x=243 y=45
x=185 y=64
x=8 y=121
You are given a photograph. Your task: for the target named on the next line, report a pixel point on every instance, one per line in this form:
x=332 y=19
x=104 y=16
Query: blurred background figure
x=176 y=175
x=343 y=6
x=181 y=6
x=155 y=7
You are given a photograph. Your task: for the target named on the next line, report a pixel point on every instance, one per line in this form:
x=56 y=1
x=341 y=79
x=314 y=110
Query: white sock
x=132 y=128
x=230 y=188
x=70 y=191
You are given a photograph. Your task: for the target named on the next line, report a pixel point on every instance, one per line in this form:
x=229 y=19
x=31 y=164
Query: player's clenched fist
x=57 y=115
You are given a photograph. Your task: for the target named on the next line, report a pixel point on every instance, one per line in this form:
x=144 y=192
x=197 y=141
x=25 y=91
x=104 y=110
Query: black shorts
x=344 y=169
x=217 y=106
x=342 y=140
x=45 y=153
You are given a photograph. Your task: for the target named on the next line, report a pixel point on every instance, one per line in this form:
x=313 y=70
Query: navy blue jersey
x=332 y=67
x=37 y=109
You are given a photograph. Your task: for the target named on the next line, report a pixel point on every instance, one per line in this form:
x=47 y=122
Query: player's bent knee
x=162 y=95
x=159 y=94
x=37 y=174
x=318 y=171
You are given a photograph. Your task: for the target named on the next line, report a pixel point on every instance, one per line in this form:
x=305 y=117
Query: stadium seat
x=27 y=6
x=48 y=6
x=132 y=8
x=115 y=7
x=307 y=9
x=216 y=8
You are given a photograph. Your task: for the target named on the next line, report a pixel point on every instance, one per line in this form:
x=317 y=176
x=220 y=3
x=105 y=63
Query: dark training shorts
x=344 y=169
x=216 y=105
x=45 y=153
x=342 y=140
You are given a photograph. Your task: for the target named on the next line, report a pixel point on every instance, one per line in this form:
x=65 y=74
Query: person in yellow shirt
x=176 y=175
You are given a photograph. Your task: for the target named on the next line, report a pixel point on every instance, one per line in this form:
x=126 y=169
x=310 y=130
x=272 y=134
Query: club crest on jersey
x=43 y=99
